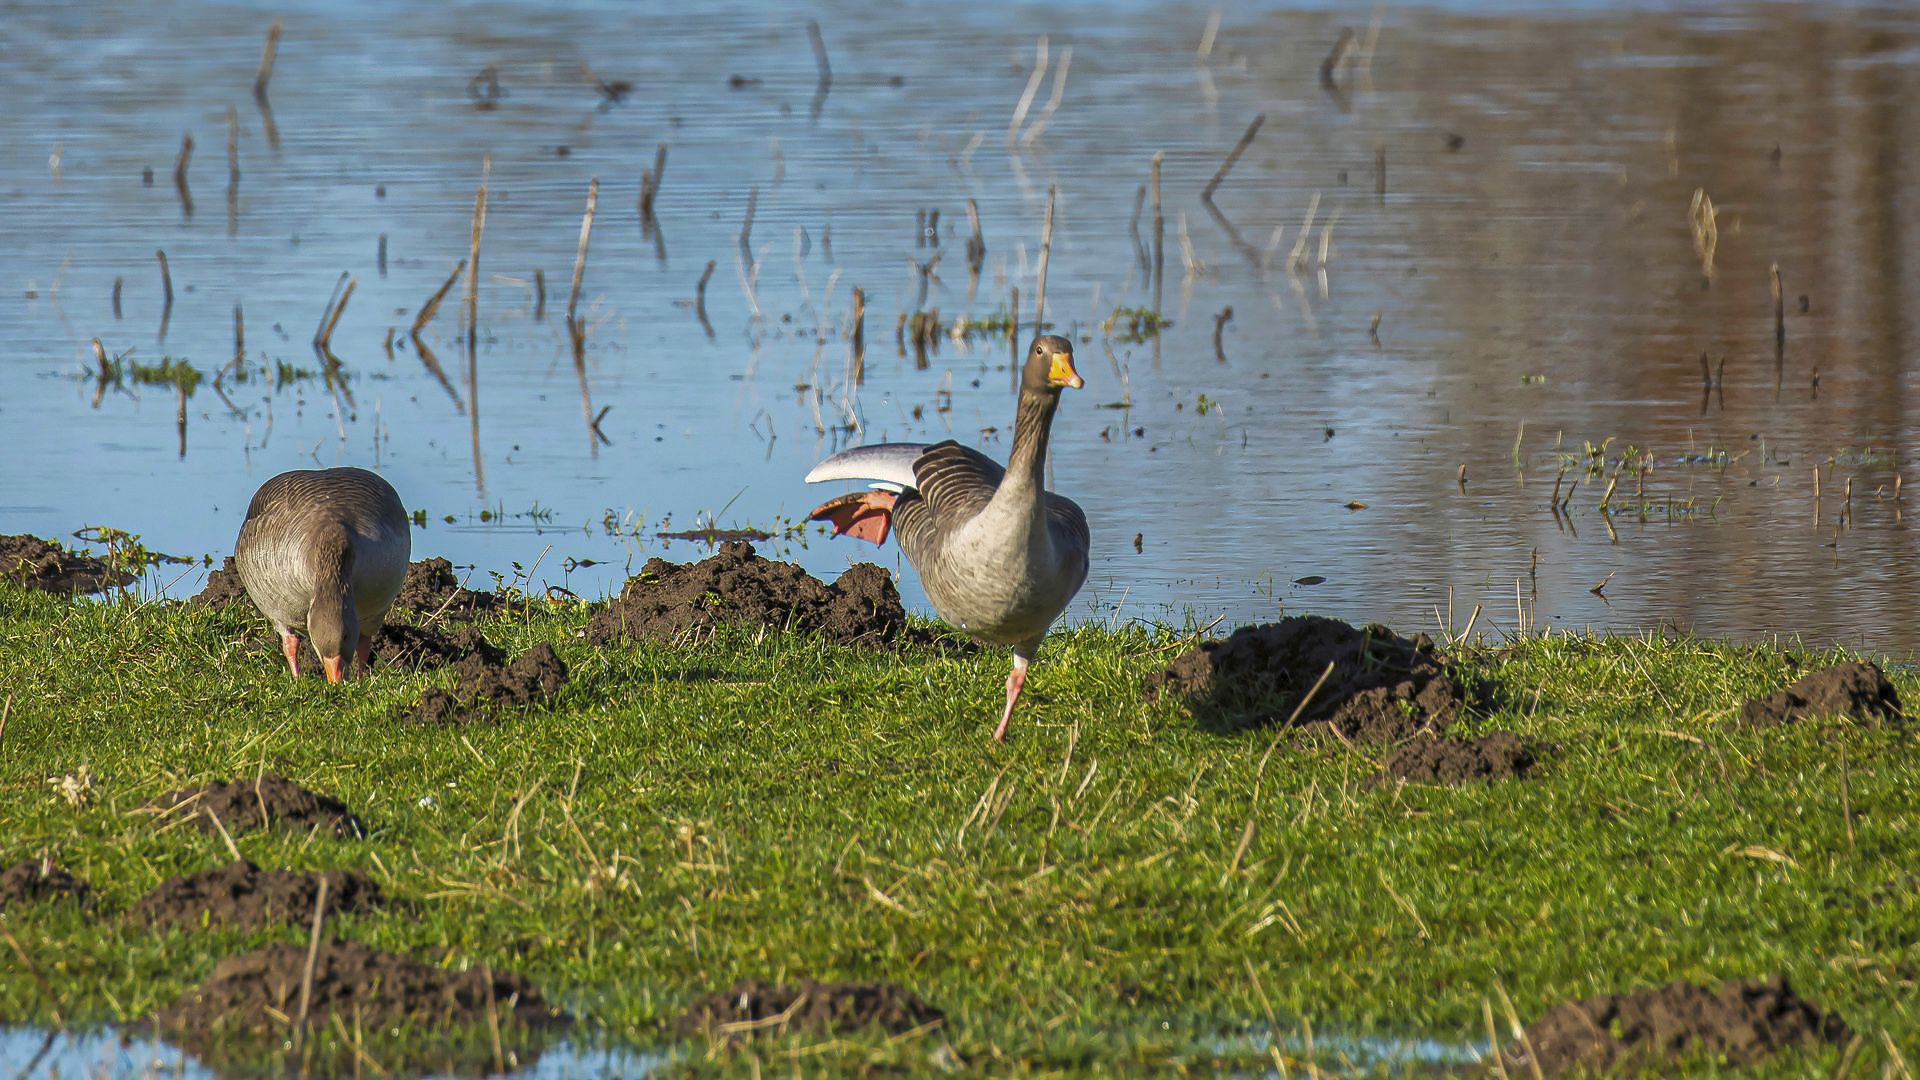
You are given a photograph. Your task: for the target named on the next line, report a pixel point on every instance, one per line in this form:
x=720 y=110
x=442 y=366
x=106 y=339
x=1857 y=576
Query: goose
x=325 y=551
x=999 y=555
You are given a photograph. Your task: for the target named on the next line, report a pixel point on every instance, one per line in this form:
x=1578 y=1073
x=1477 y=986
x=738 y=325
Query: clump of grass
x=1134 y=325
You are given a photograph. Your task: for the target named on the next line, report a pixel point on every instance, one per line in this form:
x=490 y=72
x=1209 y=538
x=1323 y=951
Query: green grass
x=770 y=806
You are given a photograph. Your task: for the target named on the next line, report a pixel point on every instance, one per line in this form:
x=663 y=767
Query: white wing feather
x=888 y=465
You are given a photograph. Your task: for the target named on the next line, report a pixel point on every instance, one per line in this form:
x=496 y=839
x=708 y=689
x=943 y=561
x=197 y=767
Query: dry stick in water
x=1013 y=336
x=859 y=340
x=976 y=245
x=117 y=282
x=1206 y=193
x=650 y=185
x=1159 y=229
x=180 y=173
x=580 y=259
x=746 y=227
x=1026 y=96
x=428 y=309
x=539 y=295
x=327 y=312
x=1046 y=249
x=1380 y=172
x=820 y=61
x=1334 y=56
x=473 y=263
x=166 y=292
x=380 y=255
x=325 y=341
x=1779 y=330
x=266 y=61
x=1219 y=325
x=700 y=297
x=313 y=956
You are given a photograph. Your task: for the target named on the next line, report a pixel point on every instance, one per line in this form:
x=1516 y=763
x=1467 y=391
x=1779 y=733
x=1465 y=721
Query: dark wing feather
x=955 y=483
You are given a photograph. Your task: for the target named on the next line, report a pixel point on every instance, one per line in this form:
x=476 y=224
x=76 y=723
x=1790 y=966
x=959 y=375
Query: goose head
x=1049 y=367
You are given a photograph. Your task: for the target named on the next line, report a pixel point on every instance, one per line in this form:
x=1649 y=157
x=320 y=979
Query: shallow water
x=110 y=1056
x=1531 y=262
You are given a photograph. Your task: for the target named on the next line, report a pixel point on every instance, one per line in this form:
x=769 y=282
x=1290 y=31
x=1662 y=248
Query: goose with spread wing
x=998 y=554
x=325 y=551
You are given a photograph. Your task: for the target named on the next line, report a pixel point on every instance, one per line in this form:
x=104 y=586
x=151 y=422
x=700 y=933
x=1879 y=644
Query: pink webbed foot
x=290 y=648
x=1016 y=681
x=866 y=515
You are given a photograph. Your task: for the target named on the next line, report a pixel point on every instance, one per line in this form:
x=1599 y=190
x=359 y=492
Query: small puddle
x=105 y=1055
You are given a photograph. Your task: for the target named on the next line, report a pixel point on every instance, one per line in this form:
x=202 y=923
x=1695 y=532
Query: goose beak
x=336 y=668
x=1062 y=372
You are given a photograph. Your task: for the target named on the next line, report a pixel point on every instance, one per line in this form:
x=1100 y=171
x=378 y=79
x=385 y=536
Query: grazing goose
x=998 y=554
x=325 y=550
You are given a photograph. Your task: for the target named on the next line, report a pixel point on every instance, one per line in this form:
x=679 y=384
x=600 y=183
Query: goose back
x=281 y=549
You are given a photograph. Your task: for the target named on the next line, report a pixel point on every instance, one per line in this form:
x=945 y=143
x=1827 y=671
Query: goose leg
x=1016 y=679
x=290 y=648
x=363 y=654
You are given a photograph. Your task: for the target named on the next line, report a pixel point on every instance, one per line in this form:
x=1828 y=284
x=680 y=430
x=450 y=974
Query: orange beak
x=335 y=667
x=1062 y=372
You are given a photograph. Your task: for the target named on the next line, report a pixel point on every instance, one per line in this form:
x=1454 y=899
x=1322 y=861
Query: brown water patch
x=1856 y=690
x=1433 y=759
x=243 y=895
x=255 y=994
x=432 y=589
x=485 y=686
x=1383 y=687
x=223 y=587
x=36 y=882
x=245 y=805
x=752 y=1007
x=671 y=601
x=44 y=565
x=1741 y=1022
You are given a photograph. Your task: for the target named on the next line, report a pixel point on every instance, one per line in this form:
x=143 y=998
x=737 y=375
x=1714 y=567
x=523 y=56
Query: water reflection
x=1469 y=237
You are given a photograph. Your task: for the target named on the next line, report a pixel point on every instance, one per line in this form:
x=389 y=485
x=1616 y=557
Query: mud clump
x=1430 y=759
x=418 y=648
x=241 y=894
x=254 y=994
x=223 y=588
x=1383 y=687
x=669 y=601
x=36 y=883
x=486 y=687
x=1857 y=690
x=1741 y=1022
x=432 y=589
x=44 y=565
x=244 y=805
x=832 y=1008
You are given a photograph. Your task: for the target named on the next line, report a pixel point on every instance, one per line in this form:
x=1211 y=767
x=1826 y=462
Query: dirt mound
x=243 y=895
x=1742 y=1022
x=1429 y=759
x=1383 y=687
x=1856 y=689
x=486 y=686
x=432 y=589
x=737 y=587
x=34 y=882
x=245 y=805
x=257 y=993
x=417 y=648
x=755 y=1007
x=223 y=588
x=45 y=565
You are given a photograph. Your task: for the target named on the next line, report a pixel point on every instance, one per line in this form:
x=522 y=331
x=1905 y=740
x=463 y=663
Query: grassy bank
x=1113 y=889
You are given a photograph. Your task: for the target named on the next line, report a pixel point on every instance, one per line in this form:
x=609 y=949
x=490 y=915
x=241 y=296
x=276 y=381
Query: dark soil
x=223 y=588
x=254 y=994
x=45 y=565
x=243 y=895
x=1741 y=1022
x=417 y=648
x=243 y=805
x=1430 y=759
x=432 y=588
x=672 y=602
x=1856 y=690
x=486 y=686
x=33 y=882
x=1383 y=688
x=832 y=1008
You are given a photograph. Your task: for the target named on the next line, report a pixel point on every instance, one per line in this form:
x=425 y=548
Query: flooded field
x=1485 y=314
